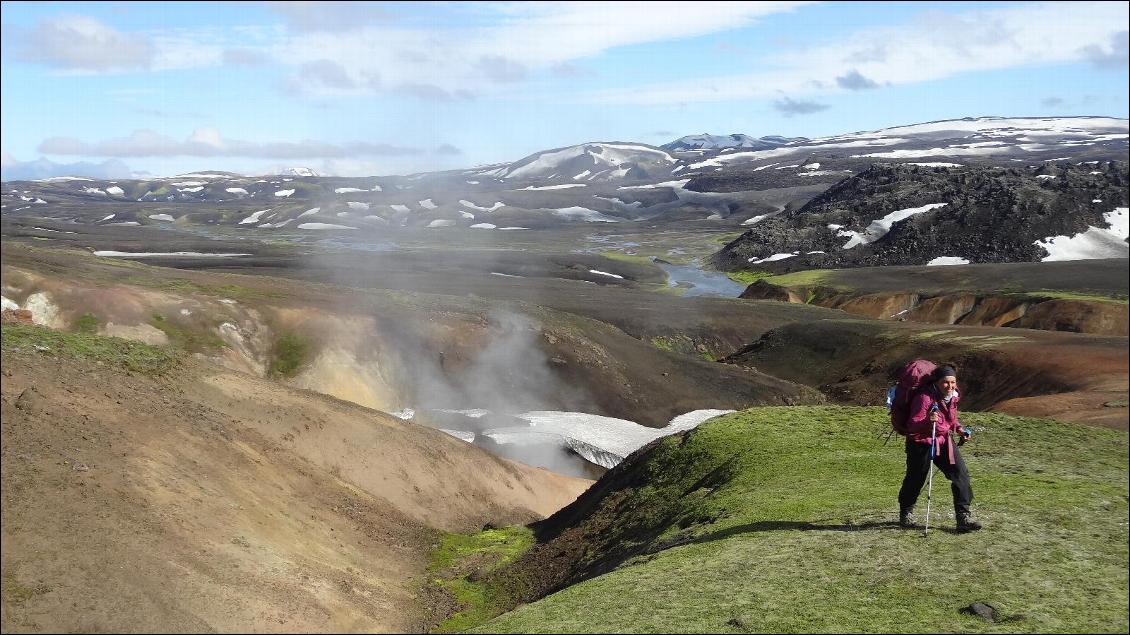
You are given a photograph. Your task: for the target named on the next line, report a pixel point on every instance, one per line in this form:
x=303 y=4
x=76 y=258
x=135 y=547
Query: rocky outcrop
x=910 y=215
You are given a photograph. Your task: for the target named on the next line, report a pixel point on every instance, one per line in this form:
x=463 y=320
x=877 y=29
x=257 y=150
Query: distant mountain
x=13 y=170
x=619 y=182
x=706 y=141
x=292 y=171
x=590 y=162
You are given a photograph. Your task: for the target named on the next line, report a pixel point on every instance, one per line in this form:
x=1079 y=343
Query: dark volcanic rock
x=991 y=214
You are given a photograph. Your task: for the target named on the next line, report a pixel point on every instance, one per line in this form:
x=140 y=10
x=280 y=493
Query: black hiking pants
x=918 y=469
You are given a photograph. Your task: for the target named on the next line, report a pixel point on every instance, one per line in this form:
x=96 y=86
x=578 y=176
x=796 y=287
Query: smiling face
x=947 y=385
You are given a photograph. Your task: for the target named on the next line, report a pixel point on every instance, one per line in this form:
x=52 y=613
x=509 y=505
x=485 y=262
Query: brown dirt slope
x=1081 y=296
x=1072 y=377
x=207 y=500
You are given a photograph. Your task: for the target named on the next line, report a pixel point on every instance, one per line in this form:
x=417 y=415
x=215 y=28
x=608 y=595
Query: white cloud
x=80 y=43
x=207 y=142
x=935 y=45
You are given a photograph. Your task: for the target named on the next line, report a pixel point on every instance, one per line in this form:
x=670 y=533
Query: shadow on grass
x=800 y=525
x=790 y=525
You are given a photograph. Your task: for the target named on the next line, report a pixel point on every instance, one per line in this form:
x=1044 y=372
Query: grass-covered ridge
x=783 y=520
x=458 y=568
x=128 y=354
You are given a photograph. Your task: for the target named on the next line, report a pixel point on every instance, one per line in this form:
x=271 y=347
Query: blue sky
x=385 y=88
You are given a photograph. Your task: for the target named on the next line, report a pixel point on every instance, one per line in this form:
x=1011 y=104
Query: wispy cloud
x=854 y=80
x=935 y=45
x=329 y=16
x=207 y=142
x=790 y=107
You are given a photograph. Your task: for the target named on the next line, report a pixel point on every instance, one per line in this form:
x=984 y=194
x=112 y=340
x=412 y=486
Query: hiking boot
x=905 y=521
x=966 y=524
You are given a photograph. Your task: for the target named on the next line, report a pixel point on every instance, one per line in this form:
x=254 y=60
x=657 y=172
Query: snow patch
x=773 y=258
x=563 y=186
x=323 y=226
x=164 y=254
x=347 y=190
x=115 y=190
x=484 y=226
x=441 y=222
x=358 y=206
x=399 y=208
x=427 y=204
x=672 y=184
x=236 y=190
x=605 y=273
x=1096 y=242
x=943 y=261
x=879 y=228
x=164 y=217
x=284 y=193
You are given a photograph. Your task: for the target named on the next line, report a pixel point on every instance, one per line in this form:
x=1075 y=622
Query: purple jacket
x=919 y=423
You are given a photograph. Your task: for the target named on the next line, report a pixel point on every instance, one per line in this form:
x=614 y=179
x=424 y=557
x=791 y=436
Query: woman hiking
x=933 y=416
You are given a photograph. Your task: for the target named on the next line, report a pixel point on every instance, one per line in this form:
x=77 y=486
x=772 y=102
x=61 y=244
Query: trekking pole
x=930 y=487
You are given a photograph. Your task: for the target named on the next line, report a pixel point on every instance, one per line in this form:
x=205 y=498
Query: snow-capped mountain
x=707 y=141
x=614 y=182
x=590 y=162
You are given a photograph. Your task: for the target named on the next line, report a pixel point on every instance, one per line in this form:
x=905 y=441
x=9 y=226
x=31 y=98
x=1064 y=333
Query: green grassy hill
x=783 y=520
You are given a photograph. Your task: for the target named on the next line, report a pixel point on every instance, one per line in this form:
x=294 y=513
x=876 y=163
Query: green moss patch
x=128 y=354
x=460 y=566
x=291 y=351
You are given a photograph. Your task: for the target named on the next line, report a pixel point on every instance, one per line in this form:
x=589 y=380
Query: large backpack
x=912 y=378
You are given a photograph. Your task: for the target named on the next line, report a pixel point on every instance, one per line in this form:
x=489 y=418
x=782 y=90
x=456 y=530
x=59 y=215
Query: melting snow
x=406 y=414
x=163 y=254
x=107 y=218
x=947 y=260
x=399 y=208
x=467 y=215
x=427 y=204
x=165 y=217
x=312 y=210
x=1045 y=176
x=323 y=226
x=774 y=258
x=284 y=193
x=346 y=190
x=605 y=441
x=191 y=189
x=673 y=184
x=481 y=209
x=254 y=218
x=582 y=175
x=1093 y=243
x=115 y=190
x=462 y=435
x=589 y=215
x=236 y=190
x=937 y=164
x=879 y=228
x=441 y=222
x=484 y=226
x=605 y=273
x=93 y=190
x=358 y=206
x=563 y=186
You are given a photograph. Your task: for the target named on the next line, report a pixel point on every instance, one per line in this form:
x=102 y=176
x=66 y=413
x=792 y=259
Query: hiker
x=936 y=405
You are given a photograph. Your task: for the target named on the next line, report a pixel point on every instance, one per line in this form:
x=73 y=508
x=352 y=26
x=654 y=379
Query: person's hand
x=934 y=417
